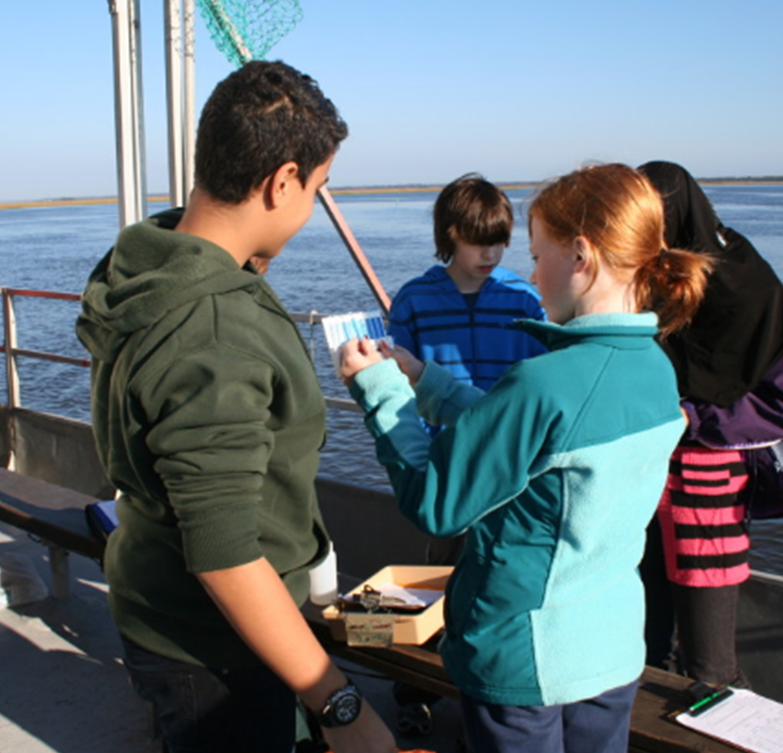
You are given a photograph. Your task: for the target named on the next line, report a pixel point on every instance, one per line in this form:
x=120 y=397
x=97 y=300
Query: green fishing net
x=247 y=29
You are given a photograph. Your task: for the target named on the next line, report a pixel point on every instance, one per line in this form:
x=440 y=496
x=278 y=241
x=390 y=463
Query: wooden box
x=384 y=629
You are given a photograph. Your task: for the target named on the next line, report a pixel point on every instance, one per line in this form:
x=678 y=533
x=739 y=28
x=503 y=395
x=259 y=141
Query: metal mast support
x=189 y=124
x=344 y=231
x=180 y=95
x=139 y=139
x=173 y=36
x=128 y=110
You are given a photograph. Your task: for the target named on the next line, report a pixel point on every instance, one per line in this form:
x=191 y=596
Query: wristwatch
x=341 y=707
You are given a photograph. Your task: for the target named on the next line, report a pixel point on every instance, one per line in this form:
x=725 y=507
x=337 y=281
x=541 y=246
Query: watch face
x=346 y=709
x=342 y=707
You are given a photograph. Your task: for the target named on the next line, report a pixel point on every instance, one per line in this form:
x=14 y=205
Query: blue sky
x=430 y=89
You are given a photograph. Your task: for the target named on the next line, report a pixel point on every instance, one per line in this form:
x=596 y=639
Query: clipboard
x=739 y=717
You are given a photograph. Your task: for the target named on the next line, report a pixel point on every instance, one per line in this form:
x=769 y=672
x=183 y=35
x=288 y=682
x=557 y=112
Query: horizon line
x=349 y=190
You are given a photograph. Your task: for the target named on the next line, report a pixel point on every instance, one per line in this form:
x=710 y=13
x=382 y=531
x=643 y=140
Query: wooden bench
x=53 y=515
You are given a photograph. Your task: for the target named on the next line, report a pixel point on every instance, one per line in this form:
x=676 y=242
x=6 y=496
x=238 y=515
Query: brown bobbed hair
x=619 y=212
x=472 y=210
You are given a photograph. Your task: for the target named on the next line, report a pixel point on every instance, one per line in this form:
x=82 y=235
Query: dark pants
x=706 y=622
x=707 y=634
x=212 y=710
x=659 y=601
x=597 y=724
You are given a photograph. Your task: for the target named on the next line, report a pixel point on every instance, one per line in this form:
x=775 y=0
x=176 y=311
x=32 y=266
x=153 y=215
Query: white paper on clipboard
x=744 y=719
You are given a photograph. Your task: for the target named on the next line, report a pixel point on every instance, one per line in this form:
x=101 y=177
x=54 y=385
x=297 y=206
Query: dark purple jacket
x=755 y=420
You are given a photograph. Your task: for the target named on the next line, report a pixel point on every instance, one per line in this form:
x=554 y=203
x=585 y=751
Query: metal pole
x=139 y=139
x=189 y=125
x=227 y=28
x=61 y=571
x=12 y=370
x=173 y=41
x=123 y=111
x=336 y=216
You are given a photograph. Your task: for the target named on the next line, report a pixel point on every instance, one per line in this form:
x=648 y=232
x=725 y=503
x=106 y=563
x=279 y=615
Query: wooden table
x=652 y=731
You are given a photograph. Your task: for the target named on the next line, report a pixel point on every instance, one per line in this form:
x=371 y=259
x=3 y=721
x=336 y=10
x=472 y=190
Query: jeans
x=597 y=724
x=213 y=710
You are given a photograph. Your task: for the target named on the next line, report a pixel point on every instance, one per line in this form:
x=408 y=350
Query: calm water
x=56 y=248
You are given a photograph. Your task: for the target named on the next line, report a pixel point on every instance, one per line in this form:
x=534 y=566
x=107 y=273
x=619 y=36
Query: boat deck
x=63 y=686
x=64 y=689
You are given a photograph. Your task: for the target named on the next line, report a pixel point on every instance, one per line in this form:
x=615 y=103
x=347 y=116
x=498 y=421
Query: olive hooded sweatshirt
x=208 y=419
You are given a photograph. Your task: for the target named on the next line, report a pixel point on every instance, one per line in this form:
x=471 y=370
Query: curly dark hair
x=258 y=118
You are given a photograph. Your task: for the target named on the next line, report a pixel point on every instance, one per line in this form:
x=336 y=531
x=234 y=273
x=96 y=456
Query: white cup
x=323 y=580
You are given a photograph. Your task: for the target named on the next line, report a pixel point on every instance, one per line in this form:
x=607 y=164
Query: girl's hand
x=408 y=363
x=357 y=355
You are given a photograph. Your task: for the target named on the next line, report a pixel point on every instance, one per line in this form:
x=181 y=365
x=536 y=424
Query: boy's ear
x=280 y=184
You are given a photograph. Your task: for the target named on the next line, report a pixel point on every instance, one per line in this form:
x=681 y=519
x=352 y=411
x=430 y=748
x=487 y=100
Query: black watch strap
x=341 y=708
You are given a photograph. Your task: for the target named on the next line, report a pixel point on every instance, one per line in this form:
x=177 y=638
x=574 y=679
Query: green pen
x=711 y=700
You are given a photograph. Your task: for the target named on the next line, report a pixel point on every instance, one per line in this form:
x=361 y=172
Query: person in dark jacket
x=208 y=419
x=730 y=378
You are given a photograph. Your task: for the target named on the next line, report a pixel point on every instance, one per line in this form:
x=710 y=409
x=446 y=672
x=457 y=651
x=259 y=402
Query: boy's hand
x=408 y=363
x=357 y=355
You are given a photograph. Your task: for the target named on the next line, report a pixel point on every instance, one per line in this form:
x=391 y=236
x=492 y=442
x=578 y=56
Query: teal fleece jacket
x=208 y=418
x=555 y=474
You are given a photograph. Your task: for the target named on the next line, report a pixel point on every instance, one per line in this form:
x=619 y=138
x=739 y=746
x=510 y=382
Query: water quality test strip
x=344 y=327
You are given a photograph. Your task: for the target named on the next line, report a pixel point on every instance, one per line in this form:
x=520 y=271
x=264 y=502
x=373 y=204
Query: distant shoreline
x=510 y=186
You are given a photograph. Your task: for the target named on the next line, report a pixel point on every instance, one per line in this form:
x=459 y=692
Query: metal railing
x=13 y=352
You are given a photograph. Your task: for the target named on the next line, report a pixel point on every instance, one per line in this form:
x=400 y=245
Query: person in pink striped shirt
x=729 y=365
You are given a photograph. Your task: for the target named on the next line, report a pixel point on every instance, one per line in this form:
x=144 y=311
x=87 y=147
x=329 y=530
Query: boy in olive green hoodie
x=208 y=419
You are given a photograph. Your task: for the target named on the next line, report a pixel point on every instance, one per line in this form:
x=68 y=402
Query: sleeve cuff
x=371 y=383
x=431 y=382
x=694 y=422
